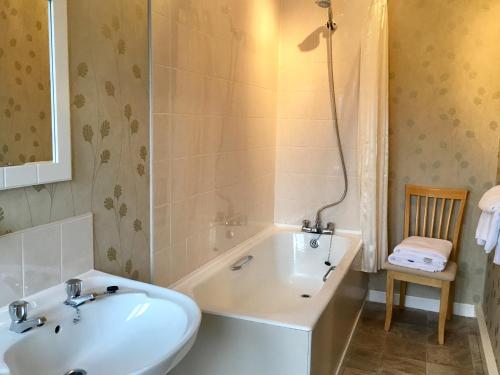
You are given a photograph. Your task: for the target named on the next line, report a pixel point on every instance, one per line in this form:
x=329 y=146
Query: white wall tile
x=42 y=258
x=77 y=246
x=11 y=273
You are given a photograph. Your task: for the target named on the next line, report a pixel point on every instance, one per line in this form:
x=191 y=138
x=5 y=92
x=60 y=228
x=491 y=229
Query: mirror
x=25 y=98
x=34 y=93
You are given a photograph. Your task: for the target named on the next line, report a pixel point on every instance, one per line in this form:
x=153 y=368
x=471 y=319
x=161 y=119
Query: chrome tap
x=318 y=228
x=18 y=311
x=73 y=291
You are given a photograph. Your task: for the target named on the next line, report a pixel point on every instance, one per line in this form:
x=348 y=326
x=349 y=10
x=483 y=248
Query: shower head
x=327 y=4
x=324 y=3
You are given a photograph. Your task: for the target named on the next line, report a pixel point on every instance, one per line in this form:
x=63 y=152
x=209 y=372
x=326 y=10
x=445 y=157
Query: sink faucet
x=18 y=311
x=73 y=291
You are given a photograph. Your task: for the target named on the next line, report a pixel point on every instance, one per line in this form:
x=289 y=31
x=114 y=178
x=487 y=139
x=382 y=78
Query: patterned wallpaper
x=444 y=114
x=25 y=115
x=109 y=119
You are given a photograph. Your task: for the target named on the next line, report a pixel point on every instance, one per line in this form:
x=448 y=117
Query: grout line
x=22 y=266
x=61 y=252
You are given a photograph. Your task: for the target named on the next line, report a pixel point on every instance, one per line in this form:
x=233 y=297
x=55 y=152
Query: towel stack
x=488 y=228
x=422 y=253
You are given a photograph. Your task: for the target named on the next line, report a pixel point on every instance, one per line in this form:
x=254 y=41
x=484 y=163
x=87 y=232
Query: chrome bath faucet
x=318 y=228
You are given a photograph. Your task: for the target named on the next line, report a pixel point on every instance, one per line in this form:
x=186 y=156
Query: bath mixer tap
x=318 y=228
x=18 y=312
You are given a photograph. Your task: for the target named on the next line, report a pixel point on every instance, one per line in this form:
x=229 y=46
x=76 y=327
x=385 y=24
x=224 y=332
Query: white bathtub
x=276 y=315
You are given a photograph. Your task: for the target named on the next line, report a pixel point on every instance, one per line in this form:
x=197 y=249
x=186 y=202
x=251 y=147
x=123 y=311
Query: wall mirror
x=34 y=93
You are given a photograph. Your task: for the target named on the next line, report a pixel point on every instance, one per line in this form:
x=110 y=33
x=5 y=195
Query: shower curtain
x=373 y=137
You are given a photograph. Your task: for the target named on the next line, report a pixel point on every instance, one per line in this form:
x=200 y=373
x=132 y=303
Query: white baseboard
x=428 y=304
x=489 y=356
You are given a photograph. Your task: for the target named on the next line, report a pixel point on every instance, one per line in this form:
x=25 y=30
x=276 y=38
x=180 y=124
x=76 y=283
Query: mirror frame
x=59 y=168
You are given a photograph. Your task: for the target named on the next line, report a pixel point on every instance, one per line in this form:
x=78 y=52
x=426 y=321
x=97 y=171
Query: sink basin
x=142 y=329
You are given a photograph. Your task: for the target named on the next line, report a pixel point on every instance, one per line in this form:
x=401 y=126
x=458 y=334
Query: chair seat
x=448 y=274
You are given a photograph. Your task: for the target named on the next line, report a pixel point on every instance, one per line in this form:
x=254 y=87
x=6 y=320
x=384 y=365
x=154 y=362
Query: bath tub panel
x=238 y=347
x=332 y=331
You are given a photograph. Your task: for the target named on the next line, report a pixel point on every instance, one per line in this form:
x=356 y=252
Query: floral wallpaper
x=25 y=114
x=444 y=115
x=109 y=121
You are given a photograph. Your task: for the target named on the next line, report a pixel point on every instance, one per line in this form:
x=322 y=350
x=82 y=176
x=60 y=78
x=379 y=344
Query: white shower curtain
x=373 y=137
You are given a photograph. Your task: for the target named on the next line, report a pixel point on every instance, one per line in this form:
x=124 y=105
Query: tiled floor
x=411 y=345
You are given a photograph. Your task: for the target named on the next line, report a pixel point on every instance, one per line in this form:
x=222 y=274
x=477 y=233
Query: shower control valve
x=328 y=230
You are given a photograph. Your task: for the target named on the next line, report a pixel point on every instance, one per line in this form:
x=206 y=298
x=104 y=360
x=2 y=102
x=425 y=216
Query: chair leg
x=389 y=300
x=402 y=294
x=443 y=309
x=449 y=315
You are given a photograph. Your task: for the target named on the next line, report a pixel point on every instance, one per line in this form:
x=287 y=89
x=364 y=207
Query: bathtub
x=282 y=312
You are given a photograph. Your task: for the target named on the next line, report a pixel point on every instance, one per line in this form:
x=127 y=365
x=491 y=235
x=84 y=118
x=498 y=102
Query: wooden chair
x=438 y=213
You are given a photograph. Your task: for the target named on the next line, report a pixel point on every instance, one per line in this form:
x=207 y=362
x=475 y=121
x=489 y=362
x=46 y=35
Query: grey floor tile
x=435 y=369
x=450 y=356
x=354 y=371
x=410 y=347
x=369 y=340
x=415 y=332
x=363 y=359
x=410 y=316
x=393 y=365
x=405 y=348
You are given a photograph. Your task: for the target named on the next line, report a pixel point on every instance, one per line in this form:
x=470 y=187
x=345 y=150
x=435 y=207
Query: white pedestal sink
x=141 y=329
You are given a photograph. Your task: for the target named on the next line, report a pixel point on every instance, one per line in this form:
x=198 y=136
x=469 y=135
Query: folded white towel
x=492 y=240
x=431 y=266
x=490 y=201
x=423 y=253
x=424 y=247
x=483 y=227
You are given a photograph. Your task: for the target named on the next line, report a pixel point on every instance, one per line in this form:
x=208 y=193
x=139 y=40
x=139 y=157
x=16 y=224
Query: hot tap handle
x=74 y=288
x=18 y=310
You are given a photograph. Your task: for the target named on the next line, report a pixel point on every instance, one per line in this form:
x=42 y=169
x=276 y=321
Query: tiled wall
x=44 y=256
x=444 y=114
x=108 y=47
x=214 y=124
x=309 y=174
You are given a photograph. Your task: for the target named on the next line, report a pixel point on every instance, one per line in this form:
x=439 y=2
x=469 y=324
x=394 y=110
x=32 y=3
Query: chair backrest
x=436 y=213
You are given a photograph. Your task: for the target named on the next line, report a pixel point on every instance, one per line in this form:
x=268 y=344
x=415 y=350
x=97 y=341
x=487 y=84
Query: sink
x=141 y=329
